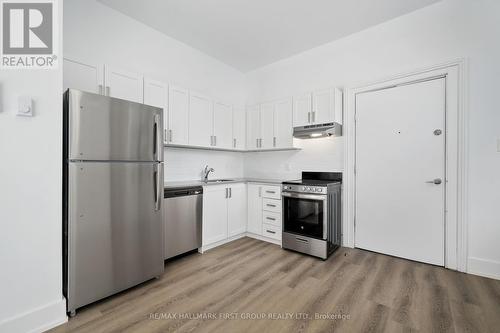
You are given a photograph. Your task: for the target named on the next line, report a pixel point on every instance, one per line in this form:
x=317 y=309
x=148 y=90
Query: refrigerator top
x=102 y=128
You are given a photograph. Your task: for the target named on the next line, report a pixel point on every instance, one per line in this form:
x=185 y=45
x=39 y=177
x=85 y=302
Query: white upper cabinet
x=266 y=126
x=201 y=120
x=283 y=126
x=156 y=94
x=253 y=127
x=302 y=106
x=123 y=84
x=239 y=129
x=320 y=106
x=83 y=76
x=223 y=125
x=178 y=115
x=237 y=210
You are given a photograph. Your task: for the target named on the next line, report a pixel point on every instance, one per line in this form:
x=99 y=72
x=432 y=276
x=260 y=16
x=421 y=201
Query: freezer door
x=114 y=227
x=104 y=128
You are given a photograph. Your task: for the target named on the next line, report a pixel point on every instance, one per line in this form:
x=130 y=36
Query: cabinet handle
x=230 y=192
x=100 y=89
x=171 y=135
x=272 y=192
x=270 y=231
x=165 y=134
x=270 y=218
x=260 y=192
x=309 y=117
x=234 y=143
x=107 y=90
x=274 y=142
x=227 y=192
x=269 y=205
x=215 y=140
x=257 y=143
x=260 y=143
x=313 y=116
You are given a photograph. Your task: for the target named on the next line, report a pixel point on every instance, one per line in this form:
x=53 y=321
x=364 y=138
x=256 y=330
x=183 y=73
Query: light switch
x=25 y=106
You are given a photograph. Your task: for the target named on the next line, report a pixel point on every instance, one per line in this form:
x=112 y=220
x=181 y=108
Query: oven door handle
x=319 y=197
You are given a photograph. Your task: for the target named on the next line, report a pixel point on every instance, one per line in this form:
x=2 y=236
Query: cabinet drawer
x=271 y=231
x=271 y=205
x=271 y=218
x=271 y=192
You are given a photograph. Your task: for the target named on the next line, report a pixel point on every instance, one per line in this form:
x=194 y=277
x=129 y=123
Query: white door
x=156 y=94
x=123 y=84
x=254 y=221
x=239 y=129
x=266 y=125
x=237 y=210
x=178 y=115
x=214 y=214
x=399 y=208
x=323 y=104
x=283 y=127
x=83 y=76
x=253 y=126
x=302 y=110
x=223 y=125
x=201 y=120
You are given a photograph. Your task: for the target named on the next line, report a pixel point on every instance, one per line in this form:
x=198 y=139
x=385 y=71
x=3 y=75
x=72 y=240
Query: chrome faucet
x=206 y=172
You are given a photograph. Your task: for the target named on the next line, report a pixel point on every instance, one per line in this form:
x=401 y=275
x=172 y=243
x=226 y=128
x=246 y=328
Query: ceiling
x=247 y=34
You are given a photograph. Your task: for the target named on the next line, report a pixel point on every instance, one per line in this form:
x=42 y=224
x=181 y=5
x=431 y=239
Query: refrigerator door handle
x=157 y=178
x=157 y=142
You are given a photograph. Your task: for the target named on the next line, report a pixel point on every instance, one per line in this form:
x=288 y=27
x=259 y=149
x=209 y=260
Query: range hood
x=317 y=131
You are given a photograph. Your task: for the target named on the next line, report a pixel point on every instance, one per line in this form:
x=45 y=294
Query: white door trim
x=456 y=156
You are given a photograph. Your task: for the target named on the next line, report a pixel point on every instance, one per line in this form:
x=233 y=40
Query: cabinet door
x=214 y=214
x=322 y=111
x=253 y=127
x=254 y=221
x=123 y=84
x=178 y=115
x=83 y=76
x=283 y=126
x=239 y=129
x=156 y=94
x=223 y=125
x=237 y=210
x=200 y=120
x=302 y=110
x=266 y=125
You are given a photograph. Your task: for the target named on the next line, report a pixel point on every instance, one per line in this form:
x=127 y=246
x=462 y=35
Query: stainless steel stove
x=312 y=218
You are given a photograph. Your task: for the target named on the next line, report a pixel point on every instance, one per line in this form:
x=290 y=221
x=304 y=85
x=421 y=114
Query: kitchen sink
x=219 y=180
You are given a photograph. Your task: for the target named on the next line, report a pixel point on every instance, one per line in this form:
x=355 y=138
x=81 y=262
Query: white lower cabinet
x=224 y=212
x=264 y=211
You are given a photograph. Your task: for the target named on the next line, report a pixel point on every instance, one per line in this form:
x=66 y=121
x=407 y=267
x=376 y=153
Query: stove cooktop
x=316 y=178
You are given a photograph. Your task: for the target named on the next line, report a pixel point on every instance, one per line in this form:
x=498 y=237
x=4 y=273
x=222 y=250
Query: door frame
x=456 y=133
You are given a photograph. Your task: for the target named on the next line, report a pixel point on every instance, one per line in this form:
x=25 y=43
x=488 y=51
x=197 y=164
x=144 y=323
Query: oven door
x=305 y=214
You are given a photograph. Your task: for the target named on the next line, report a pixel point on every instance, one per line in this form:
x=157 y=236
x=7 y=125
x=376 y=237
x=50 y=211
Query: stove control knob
x=307 y=188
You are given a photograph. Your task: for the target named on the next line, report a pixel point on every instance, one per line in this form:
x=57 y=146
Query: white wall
x=97 y=33
x=442 y=32
x=31 y=202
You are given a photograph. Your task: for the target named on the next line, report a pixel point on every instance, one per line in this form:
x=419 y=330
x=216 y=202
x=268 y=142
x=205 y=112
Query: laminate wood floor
x=252 y=286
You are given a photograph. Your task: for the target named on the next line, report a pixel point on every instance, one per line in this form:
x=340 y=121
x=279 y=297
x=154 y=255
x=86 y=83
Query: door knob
x=436 y=181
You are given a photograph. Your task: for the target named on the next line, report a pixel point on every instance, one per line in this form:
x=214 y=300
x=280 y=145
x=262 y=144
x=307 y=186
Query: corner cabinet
x=317 y=107
x=269 y=126
x=224 y=213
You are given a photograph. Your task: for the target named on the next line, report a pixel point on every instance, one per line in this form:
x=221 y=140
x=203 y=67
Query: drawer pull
x=270 y=218
x=270 y=231
x=269 y=205
x=302 y=240
x=272 y=192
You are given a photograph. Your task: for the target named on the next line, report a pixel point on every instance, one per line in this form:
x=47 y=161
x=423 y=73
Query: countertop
x=189 y=183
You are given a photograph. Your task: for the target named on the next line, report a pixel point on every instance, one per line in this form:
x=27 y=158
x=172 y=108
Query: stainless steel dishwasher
x=182 y=220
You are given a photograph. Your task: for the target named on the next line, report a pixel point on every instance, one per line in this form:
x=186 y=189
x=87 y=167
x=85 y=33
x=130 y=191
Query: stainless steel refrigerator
x=112 y=189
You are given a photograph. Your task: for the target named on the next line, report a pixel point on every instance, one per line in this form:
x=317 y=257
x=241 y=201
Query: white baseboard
x=263 y=238
x=219 y=243
x=37 y=320
x=484 y=267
